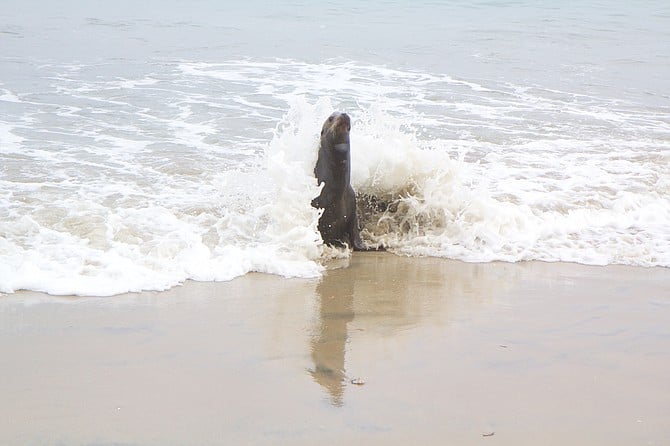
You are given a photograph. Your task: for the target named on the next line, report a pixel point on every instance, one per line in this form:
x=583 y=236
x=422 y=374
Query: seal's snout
x=341 y=123
x=336 y=128
x=338 y=119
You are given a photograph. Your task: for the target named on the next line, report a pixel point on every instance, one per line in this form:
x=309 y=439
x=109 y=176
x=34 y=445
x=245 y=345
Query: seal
x=338 y=224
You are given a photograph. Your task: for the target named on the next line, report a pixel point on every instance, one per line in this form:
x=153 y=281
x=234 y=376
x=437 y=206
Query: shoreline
x=447 y=353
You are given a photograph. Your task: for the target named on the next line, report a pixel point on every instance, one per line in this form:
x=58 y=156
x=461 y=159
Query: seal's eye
x=330 y=119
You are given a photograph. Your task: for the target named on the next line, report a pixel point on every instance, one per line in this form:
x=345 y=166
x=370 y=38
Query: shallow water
x=143 y=145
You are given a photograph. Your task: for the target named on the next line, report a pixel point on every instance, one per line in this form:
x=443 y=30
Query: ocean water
x=147 y=143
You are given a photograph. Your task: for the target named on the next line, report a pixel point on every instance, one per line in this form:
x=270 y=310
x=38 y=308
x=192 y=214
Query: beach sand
x=445 y=353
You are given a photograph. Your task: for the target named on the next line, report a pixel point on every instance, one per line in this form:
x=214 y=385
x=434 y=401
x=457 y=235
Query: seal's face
x=336 y=129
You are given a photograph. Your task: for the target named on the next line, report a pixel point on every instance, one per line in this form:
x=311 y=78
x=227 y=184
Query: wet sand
x=450 y=353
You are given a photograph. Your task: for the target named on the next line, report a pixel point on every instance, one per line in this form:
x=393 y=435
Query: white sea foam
x=9 y=140
x=112 y=238
x=8 y=96
x=204 y=171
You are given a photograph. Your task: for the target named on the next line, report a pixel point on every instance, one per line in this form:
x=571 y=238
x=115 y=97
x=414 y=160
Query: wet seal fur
x=338 y=224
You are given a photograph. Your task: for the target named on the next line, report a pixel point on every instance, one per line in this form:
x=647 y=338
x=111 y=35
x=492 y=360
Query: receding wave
x=204 y=171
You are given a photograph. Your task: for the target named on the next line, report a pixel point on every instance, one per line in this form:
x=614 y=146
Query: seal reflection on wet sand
x=537 y=353
x=336 y=310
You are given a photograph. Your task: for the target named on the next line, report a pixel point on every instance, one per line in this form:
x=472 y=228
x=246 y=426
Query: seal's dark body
x=338 y=224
